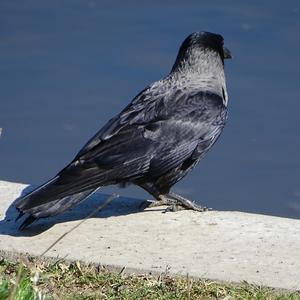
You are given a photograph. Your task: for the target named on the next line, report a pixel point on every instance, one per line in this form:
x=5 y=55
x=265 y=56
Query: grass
x=36 y=279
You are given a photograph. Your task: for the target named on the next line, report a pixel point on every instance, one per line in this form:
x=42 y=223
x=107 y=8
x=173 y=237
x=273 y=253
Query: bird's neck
x=202 y=70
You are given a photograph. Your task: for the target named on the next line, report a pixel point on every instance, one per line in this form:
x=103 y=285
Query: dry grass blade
x=16 y=284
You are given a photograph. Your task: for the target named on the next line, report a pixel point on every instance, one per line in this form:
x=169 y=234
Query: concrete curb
x=224 y=246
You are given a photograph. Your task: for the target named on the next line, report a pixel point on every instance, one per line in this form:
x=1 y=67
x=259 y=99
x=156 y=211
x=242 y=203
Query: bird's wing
x=153 y=105
x=156 y=131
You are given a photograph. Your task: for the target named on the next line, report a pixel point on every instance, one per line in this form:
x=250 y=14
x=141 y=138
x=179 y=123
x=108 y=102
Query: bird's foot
x=174 y=202
x=183 y=203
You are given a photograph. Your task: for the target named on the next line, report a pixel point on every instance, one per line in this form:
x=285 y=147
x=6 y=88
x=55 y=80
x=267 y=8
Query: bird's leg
x=185 y=203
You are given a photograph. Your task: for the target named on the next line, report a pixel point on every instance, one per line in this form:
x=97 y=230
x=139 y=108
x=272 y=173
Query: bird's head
x=201 y=46
x=206 y=41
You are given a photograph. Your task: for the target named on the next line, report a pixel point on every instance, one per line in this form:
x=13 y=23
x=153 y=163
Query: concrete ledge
x=224 y=246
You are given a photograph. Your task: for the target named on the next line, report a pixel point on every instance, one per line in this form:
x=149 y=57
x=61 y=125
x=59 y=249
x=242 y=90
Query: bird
x=155 y=141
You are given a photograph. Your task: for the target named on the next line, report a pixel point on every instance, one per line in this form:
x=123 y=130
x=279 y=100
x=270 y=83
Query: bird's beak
x=227 y=53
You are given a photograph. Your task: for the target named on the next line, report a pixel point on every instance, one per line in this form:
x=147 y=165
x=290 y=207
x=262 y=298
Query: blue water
x=66 y=67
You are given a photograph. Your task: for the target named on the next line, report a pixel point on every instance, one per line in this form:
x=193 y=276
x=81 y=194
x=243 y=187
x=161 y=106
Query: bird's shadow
x=118 y=207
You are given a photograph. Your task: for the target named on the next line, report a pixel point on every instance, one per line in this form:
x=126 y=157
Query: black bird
x=154 y=142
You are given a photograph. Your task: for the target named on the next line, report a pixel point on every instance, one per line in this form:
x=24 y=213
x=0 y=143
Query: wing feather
x=152 y=135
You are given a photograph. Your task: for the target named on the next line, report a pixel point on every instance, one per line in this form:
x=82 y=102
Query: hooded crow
x=154 y=142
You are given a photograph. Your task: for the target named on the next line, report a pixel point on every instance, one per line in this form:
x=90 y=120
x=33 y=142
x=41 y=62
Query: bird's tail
x=44 y=202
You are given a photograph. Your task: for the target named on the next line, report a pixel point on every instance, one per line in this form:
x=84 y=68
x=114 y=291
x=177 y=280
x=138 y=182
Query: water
x=67 y=67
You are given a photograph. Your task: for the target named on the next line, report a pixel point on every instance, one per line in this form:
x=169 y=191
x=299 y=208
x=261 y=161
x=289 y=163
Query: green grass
x=33 y=279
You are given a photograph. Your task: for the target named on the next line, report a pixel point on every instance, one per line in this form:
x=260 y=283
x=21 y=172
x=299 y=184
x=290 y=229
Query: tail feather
x=65 y=184
x=29 y=220
x=48 y=209
x=21 y=214
x=26 y=202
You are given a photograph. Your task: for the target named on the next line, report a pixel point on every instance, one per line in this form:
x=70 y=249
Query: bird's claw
x=174 y=203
